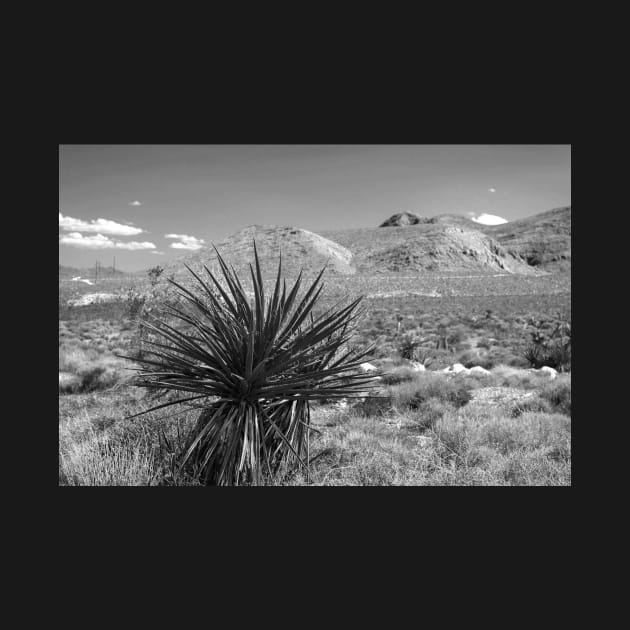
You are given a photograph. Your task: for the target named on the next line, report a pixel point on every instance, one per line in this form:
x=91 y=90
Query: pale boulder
x=368 y=367
x=550 y=371
x=477 y=369
x=458 y=368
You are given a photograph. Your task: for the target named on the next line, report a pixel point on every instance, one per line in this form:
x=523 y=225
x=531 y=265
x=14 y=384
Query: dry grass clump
x=88 y=370
x=103 y=462
x=558 y=394
x=433 y=444
x=98 y=447
x=533 y=449
x=429 y=412
x=412 y=392
x=363 y=451
x=462 y=448
x=400 y=374
x=507 y=376
x=530 y=405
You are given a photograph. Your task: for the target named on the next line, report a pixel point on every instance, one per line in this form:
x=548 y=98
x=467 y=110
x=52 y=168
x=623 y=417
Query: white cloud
x=489 y=219
x=135 y=203
x=185 y=241
x=101 y=226
x=492 y=190
x=156 y=252
x=135 y=245
x=98 y=241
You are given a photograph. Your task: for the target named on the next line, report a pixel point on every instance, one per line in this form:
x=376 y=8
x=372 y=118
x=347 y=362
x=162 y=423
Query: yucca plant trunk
x=269 y=456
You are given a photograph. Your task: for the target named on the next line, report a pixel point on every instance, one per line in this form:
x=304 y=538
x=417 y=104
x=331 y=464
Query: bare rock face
x=443 y=248
x=542 y=240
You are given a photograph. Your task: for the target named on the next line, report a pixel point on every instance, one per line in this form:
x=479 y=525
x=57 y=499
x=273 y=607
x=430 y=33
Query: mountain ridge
x=447 y=243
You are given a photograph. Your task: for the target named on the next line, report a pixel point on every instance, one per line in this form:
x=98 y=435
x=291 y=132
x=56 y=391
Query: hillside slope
x=437 y=247
x=300 y=248
x=446 y=243
x=542 y=240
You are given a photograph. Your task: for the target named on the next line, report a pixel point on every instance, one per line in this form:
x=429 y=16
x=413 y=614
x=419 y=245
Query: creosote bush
x=253 y=366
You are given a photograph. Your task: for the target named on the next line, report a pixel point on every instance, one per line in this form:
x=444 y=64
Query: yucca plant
x=254 y=365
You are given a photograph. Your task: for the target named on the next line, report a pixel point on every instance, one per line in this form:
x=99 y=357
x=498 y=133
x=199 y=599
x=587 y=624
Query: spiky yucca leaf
x=258 y=364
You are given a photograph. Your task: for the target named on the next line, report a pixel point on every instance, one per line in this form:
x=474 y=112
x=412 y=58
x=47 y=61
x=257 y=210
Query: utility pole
x=114 y=267
x=95 y=271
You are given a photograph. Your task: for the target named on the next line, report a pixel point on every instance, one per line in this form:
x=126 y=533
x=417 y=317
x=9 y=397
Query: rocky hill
x=406 y=218
x=542 y=241
x=404 y=244
x=403 y=219
x=433 y=247
x=299 y=248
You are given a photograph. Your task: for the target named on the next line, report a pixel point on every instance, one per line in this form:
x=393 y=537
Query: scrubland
x=425 y=428
x=511 y=426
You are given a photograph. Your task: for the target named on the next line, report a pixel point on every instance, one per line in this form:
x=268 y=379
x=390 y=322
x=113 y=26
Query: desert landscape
x=466 y=378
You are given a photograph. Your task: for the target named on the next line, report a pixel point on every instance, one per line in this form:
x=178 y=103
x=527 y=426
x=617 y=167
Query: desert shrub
x=429 y=412
x=88 y=370
x=517 y=361
x=75 y=359
x=397 y=375
x=475 y=381
x=457 y=335
x=256 y=365
x=373 y=406
x=69 y=383
x=501 y=356
x=551 y=347
x=384 y=349
x=507 y=376
x=438 y=359
x=425 y=386
x=471 y=358
x=558 y=395
x=535 y=404
x=409 y=345
x=558 y=355
x=91 y=379
x=533 y=449
x=488 y=359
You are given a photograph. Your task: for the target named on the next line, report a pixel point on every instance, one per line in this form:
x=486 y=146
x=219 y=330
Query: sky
x=147 y=204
